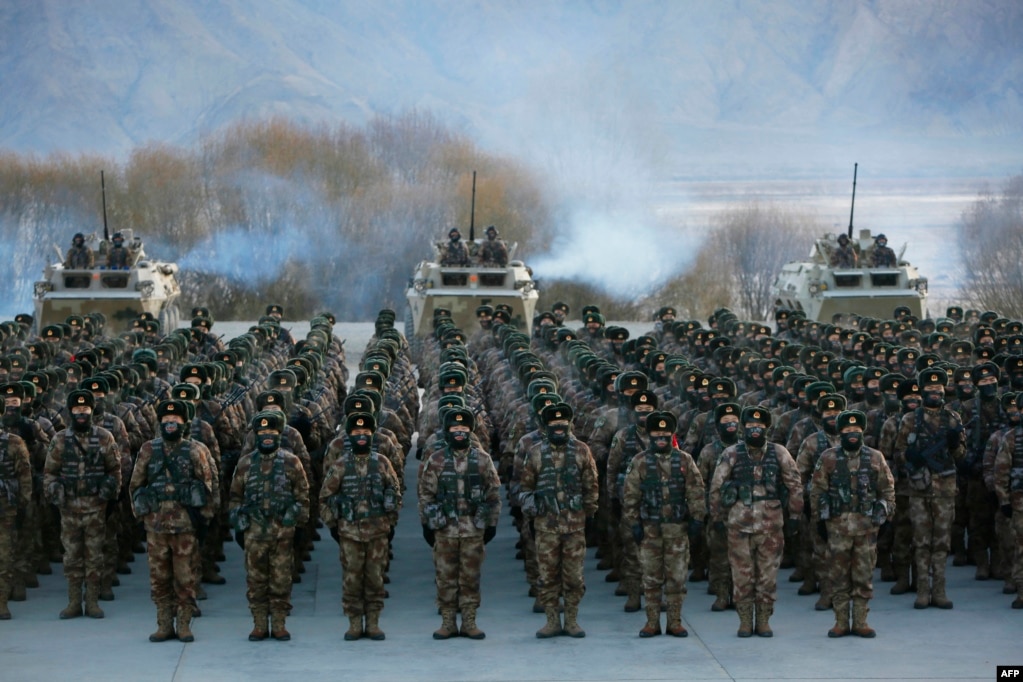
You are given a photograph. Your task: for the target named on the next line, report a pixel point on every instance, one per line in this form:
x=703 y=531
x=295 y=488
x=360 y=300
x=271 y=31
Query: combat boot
x=887 y=572
x=5 y=613
x=797 y=575
x=823 y=601
x=572 y=628
x=745 y=611
x=42 y=566
x=184 y=624
x=983 y=571
x=277 y=629
x=469 y=628
x=859 y=619
x=31 y=580
x=809 y=585
x=764 y=612
x=259 y=629
x=653 y=621
x=164 y=624
x=721 y=603
x=901 y=585
x=553 y=626
x=354 y=631
x=938 y=597
x=674 y=626
x=211 y=577
x=106 y=588
x=841 y=628
x=633 y=603
x=92 y=609
x=373 y=630
x=18 y=588
x=448 y=628
x=74 y=600
x=923 y=593
x=1017 y=603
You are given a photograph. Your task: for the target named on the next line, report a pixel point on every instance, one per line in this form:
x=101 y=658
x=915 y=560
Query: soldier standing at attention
x=119 y=256
x=172 y=493
x=752 y=482
x=664 y=503
x=1008 y=483
x=459 y=507
x=269 y=501
x=559 y=491
x=15 y=499
x=82 y=475
x=79 y=256
x=844 y=256
x=883 y=256
x=852 y=494
x=359 y=502
x=928 y=445
x=454 y=253
x=493 y=251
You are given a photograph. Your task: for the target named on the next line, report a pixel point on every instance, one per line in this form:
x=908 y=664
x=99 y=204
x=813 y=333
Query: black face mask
x=1017 y=382
x=1014 y=418
x=872 y=395
x=729 y=433
x=12 y=416
x=933 y=399
x=172 y=431
x=755 y=436
x=268 y=442
x=557 y=435
x=858 y=393
x=964 y=391
x=891 y=402
x=661 y=444
x=455 y=239
x=81 y=422
x=361 y=444
x=641 y=419
x=830 y=425
x=851 y=442
x=988 y=391
x=458 y=440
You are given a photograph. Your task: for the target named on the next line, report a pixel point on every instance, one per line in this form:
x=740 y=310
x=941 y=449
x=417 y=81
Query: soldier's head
x=985 y=376
x=843 y=239
x=118 y=240
x=271 y=401
x=881 y=240
x=850 y=426
x=268 y=427
x=491 y=232
x=80 y=404
x=560 y=310
x=454 y=235
x=755 y=422
x=828 y=408
x=360 y=427
x=1011 y=405
x=661 y=427
x=78 y=240
x=726 y=417
x=932 y=385
x=458 y=425
x=909 y=394
x=557 y=420
x=643 y=404
x=173 y=415
x=13 y=394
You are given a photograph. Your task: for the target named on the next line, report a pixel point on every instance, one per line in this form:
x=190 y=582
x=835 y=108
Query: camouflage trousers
x=932 y=528
x=560 y=558
x=717 y=560
x=852 y=565
x=980 y=519
x=267 y=571
x=8 y=544
x=111 y=550
x=529 y=554
x=960 y=518
x=1017 y=548
x=172 y=576
x=362 y=582
x=629 y=568
x=814 y=553
x=755 y=559
x=83 y=537
x=458 y=563
x=1008 y=548
x=27 y=544
x=664 y=555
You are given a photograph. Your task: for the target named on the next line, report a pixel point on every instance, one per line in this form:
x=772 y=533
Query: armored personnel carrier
x=822 y=291
x=120 y=293
x=462 y=289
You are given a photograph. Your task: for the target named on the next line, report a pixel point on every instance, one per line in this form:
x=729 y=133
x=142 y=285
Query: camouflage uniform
x=665 y=498
x=459 y=499
x=171 y=484
x=15 y=499
x=360 y=498
x=1008 y=484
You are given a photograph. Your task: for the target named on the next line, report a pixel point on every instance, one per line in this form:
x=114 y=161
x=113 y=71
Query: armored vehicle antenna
x=103 y=188
x=472 y=211
x=853 y=207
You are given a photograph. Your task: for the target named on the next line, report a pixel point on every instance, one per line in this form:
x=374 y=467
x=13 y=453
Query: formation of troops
x=715 y=452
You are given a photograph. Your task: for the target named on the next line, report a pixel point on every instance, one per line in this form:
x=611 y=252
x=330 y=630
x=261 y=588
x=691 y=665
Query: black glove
x=300 y=537
x=334 y=534
x=954 y=438
x=19 y=518
x=239 y=537
x=429 y=535
x=822 y=530
x=516 y=513
x=695 y=529
x=488 y=534
x=915 y=457
x=791 y=527
x=1007 y=511
x=637 y=532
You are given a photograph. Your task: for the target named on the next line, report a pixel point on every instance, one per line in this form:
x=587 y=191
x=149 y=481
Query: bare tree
x=991 y=249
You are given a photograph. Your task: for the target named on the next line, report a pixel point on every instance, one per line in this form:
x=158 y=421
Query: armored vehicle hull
x=821 y=291
x=462 y=289
x=121 y=294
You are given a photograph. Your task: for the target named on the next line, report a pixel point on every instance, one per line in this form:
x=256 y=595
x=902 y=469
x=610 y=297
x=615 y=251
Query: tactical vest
x=653 y=490
x=840 y=492
x=633 y=446
x=172 y=478
x=1016 y=471
x=268 y=496
x=9 y=484
x=934 y=442
x=551 y=480
x=447 y=485
x=746 y=481
x=82 y=481
x=356 y=490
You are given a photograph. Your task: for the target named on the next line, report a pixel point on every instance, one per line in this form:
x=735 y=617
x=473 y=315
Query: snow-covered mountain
x=760 y=86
